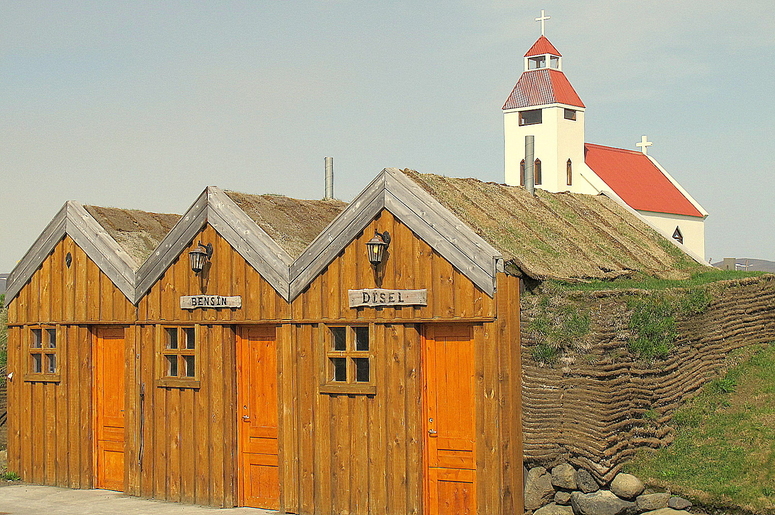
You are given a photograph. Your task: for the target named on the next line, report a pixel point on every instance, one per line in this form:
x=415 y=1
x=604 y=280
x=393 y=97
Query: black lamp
x=376 y=247
x=200 y=256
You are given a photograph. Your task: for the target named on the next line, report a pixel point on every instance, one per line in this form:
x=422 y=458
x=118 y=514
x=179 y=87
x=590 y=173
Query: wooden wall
x=338 y=453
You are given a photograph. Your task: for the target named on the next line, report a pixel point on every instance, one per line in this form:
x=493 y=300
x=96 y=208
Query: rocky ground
x=564 y=490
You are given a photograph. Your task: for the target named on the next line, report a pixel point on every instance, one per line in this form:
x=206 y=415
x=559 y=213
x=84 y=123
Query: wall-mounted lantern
x=200 y=256
x=376 y=247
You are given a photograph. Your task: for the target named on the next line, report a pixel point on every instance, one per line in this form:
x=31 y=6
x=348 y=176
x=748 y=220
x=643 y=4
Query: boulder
x=564 y=476
x=554 y=509
x=627 y=486
x=562 y=498
x=585 y=482
x=650 y=502
x=538 y=488
x=679 y=503
x=601 y=502
x=666 y=511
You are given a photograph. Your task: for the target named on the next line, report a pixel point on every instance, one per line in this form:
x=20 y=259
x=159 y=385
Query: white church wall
x=692 y=228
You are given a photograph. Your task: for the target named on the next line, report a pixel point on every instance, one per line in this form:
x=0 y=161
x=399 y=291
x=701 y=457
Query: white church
x=544 y=105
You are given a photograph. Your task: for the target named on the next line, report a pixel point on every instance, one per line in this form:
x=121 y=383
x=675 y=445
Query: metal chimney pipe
x=329 y=178
x=530 y=182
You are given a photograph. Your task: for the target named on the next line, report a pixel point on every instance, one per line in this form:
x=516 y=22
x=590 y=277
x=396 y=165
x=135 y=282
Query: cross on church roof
x=644 y=144
x=543 y=19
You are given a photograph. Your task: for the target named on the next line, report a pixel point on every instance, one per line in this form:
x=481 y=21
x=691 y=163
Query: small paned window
x=531 y=117
x=678 y=236
x=537 y=172
x=569 y=173
x=178 y=363
x=42 y=351
x=347 y=361
x=570 y=114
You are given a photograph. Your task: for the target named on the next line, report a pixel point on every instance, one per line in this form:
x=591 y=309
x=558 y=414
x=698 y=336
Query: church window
x=536 y=62
x=677 y=236
x=570 y=114
x=569 y=173
x=522 y=173
x=530 y=117
x=537 y=172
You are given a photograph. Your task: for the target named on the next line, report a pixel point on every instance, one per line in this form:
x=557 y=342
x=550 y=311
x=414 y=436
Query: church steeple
x=544 y=104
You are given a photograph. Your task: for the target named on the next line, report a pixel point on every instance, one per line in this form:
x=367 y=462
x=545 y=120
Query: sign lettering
x=377 y=297
x=209 y=301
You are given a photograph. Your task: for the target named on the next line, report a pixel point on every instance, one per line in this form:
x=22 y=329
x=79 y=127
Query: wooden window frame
x=44 y=351
x=350 y=353
x=537 y=176
x=180 y=352
x=569 y=172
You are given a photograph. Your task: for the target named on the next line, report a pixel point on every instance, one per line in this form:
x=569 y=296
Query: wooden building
x=291 y=372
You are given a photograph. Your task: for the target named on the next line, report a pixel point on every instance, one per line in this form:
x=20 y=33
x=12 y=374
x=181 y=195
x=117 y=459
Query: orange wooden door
x=449 y=420
x=259 y=478
x=109 y=407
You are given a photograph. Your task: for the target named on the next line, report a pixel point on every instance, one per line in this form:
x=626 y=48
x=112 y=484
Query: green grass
x=698 y=278
x=724 y=451
x=10 y=476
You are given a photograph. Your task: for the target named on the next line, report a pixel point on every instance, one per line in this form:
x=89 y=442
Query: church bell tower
x=545 y=105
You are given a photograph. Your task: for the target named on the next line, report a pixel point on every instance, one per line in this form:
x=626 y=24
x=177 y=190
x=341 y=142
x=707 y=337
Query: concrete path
x=23 y=499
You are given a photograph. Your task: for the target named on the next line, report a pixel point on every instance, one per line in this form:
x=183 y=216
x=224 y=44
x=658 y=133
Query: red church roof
x=637 y=180
x=543 y=86
x=542 y=46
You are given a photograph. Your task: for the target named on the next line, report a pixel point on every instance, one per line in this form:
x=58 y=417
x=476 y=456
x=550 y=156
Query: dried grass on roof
x=558 y=235
x=138 y=232
x=292 y=223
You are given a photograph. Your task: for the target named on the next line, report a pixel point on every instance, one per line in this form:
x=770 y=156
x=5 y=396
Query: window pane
x=340 y=369
x=340 y=337
x=189 y=366
x=362 y=370
x=190 y=337
x=172 y=366
x=361 y=338
x=37 y=363
x=51 y=363
x=37 y=339
x=52 y=338
x=172 y=337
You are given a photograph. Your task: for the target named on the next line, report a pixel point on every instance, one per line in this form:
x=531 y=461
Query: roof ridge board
x=29 y=263
x=343 y=233
x=335 y=230
x=169 y=248
x=270 y=260
x=101 y=248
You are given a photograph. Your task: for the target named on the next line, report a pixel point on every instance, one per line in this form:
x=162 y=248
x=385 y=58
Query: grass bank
x=698 y=278
x=723 y=454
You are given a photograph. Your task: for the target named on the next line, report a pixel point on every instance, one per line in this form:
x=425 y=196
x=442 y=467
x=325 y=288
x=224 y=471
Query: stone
x=564 y=476
x=650 y=502
x=585 y=482
x=538 y=488
x=562 y=498
x=602 y=502
x=554 y=509
x=627 y=486
x=666 y=511
x=679 y=503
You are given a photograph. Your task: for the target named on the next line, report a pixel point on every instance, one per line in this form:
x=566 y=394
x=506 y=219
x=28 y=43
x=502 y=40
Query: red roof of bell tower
x=542 y=46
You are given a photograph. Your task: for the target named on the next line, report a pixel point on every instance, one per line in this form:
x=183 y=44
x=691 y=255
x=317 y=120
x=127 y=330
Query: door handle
x=432 y=432
x=246 y=418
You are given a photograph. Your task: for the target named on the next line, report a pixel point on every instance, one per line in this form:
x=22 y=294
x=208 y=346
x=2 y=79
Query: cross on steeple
x=644 y=144
x=543 y=19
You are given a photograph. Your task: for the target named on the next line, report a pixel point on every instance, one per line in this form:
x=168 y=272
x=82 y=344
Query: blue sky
x=142 y=104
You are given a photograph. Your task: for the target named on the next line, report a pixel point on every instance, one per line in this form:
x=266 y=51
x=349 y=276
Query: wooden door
x=449 y=420
x=259 y=478
x=109 y=407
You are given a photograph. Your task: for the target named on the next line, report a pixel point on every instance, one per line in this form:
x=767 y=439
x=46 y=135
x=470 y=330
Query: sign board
x=377 y=297
x=209 y=301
